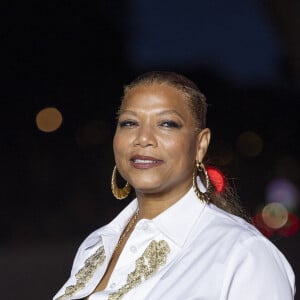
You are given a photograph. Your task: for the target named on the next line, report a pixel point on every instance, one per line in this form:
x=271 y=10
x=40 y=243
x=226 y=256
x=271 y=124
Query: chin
x=147 y=188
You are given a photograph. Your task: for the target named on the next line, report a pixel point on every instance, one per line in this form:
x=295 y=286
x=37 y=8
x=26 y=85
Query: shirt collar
x=177 y=221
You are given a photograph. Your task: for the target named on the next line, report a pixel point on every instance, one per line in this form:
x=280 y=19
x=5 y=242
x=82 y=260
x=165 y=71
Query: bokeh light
x=291 y=227
x=49 y=119
x=216 y=177
x=274 y=215
x=249 y=144
x=261 y=226
x=282 y=191
x=277 y=215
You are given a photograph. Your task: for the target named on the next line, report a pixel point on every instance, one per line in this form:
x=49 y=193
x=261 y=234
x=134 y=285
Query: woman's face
x=156 y=142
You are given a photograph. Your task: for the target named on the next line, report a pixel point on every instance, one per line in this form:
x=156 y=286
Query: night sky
x=75 y=56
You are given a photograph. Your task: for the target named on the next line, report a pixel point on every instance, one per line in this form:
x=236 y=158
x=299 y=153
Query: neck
x=152 y=204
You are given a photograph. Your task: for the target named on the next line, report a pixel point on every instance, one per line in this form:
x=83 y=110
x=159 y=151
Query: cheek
x=117 y=144
x=182 y=153
x=181 y=147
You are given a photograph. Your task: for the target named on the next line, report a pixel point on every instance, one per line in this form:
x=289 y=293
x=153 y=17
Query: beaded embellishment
x=154 y=256
x=85 y=273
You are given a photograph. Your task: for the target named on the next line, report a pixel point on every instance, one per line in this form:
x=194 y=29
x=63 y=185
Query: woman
x=179 y=239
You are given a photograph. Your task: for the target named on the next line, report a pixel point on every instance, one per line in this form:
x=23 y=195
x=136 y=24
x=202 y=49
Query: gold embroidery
x=153 y=257
x=85 y=273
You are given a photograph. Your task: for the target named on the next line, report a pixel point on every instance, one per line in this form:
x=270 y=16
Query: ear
x=203 y=142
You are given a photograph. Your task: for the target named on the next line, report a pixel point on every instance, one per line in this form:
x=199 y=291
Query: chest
x=184 y=276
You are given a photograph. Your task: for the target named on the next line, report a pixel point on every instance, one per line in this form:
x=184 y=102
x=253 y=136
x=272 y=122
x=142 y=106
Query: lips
x=144 y=162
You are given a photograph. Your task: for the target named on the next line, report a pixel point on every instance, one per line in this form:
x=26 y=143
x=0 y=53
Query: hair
x=228 y=199
x=196 y=99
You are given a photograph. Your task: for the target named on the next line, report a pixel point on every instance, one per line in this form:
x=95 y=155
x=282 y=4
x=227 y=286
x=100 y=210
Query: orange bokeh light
x=49 y=119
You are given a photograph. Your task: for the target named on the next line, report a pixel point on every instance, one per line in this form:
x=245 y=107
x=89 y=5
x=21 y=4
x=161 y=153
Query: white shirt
x=213 y=256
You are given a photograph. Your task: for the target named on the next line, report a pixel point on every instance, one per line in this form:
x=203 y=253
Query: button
x=133 y=249
x=113 y=285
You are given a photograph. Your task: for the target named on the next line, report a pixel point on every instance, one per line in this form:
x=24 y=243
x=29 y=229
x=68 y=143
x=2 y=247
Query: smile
x=142 y=161
x=145 y=162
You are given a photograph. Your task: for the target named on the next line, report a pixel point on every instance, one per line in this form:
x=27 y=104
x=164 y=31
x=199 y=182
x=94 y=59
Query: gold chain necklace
x=126 y=231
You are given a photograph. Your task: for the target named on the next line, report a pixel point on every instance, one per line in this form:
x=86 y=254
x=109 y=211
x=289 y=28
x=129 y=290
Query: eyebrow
x=171 y=111
x=164 y=112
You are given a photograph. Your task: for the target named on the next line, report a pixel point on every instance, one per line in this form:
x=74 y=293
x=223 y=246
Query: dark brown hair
x=227 y=199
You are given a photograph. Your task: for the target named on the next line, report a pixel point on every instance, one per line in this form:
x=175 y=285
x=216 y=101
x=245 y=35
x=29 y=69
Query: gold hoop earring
x=117 y=192
x=205 y=197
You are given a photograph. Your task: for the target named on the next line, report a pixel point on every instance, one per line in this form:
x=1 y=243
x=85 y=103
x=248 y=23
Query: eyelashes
x=163 y=124
x=127 y=123
x=170 y=124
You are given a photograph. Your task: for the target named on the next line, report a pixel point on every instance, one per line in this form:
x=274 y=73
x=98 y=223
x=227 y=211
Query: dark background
x=76 y=56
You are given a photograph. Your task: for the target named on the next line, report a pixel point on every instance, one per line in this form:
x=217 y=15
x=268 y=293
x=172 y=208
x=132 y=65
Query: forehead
x=156 y=96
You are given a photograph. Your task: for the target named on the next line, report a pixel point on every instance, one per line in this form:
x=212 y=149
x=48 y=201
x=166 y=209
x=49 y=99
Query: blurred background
x=63 y=67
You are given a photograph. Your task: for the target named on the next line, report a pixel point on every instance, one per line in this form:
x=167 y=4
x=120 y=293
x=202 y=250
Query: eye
x=127 y=123
x=170 y=124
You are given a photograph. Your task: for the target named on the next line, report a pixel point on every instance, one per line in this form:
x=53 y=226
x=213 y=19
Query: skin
x=155 y=120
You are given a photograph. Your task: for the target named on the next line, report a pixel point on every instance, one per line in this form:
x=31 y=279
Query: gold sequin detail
x=153 y=257
x=85 y=273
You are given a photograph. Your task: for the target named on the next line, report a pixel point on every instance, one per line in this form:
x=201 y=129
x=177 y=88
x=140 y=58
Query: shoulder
x=226 y=227
x=229 y=237
x=244 y=251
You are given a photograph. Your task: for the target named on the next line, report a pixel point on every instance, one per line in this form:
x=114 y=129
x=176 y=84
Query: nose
x=145 y=137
